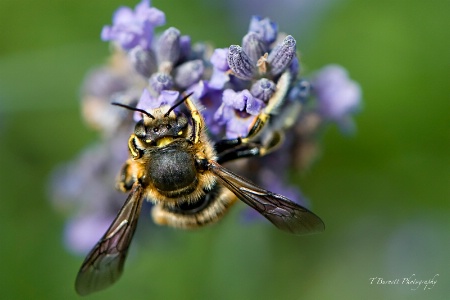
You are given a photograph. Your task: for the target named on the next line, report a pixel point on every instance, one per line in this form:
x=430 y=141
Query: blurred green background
x=383 y=193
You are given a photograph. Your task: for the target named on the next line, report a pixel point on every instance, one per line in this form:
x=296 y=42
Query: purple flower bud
x=266 y=29
x=263 y=89
x=185 y=47
x=168 y=48
x=188 y=73
x=144 y=61
x=300 y=91
x=281 y=56
x=294 y=67
x=160 y=81
x=253 y=46
x=337 y=95
x=240 y=63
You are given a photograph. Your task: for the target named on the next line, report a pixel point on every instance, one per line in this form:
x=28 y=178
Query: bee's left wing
x=104 y=264
x=282 y=212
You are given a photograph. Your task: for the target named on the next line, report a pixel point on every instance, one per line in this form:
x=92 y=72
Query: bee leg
x=249 y=149
x=260 y=121
x=273 y=104
x=135 y=153
x=125 y=179
x=197 y=121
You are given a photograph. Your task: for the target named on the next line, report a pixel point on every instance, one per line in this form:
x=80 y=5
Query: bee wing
x=282 y=212
x=104 y=264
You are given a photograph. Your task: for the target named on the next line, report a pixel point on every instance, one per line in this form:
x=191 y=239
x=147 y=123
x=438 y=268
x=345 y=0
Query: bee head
x=152 y=128
x=158 y=128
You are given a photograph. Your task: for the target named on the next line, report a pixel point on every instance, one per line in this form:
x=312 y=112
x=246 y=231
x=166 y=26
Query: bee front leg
x=237 y=148
x=197 y=121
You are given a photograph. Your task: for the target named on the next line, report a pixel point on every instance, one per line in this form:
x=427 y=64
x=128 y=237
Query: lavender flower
x=236 y=112
x=147 y=102
x=338 y=97
x=132 y=28
x=233 y=86
x=254 y=67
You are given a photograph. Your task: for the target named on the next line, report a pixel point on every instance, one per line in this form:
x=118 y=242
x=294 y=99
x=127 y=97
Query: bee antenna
x=134 y=109
x=177 y=104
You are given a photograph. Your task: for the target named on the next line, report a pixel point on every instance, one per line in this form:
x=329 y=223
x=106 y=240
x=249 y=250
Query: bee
x=173 y=164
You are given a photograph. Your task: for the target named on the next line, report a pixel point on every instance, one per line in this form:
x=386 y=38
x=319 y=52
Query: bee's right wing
x=282 y=212
x=104 y=264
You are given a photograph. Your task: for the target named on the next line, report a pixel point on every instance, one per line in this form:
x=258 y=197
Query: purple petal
x=123 y=15
x=147 y=103
x=218 y=79
x=168 y=97
x=198 y=90
x=223 y=114
x=152 y=15
x=219 y=59
x=238 y=127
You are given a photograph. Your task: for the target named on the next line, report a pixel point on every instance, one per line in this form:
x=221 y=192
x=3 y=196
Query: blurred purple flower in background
x=232 y=84
x=338 y=97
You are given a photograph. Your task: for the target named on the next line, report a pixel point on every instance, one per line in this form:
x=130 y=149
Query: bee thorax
x=173 y=171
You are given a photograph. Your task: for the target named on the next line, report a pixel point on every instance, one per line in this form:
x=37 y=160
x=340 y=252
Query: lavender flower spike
x=240 y=63
x=281 y=56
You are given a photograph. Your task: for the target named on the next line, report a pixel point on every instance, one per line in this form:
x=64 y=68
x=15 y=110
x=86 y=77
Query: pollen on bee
x=180 y=132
